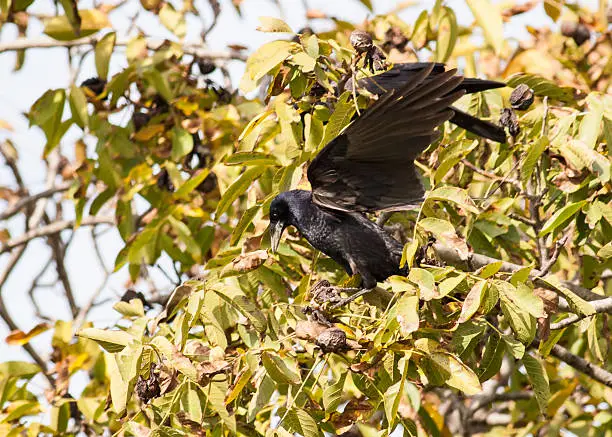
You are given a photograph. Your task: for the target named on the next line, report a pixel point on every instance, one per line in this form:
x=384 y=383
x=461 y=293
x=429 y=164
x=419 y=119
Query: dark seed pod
x=522 y=97
x=332 y=340
x=131 y=294
x=577 y=31
x=510 y=120
x=164 y=182
x=361 y=41
x=95 y=84
x=206 y=66
x=148 y=389
x=140 y=120
x=208 y=184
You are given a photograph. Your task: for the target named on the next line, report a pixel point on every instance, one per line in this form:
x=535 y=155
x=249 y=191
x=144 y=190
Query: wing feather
x=370 y=166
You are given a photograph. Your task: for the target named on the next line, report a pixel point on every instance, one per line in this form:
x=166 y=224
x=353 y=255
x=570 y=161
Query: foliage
x=244 y=346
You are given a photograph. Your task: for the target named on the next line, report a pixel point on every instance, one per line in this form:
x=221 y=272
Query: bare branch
x=26 y=201
x=582 y=365
x=550 y=262
x=52 y=229
x=194 y=49
x=600 y=306
x=516 y=184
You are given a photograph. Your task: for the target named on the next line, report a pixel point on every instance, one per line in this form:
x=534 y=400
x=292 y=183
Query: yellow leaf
x=19 y=338
x=92 y=21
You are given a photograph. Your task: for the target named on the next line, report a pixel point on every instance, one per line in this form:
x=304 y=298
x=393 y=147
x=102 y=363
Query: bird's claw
x=347 y=300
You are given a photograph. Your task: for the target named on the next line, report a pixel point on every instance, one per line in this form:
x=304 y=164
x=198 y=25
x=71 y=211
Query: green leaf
x=262 y=396
x=606 y=251
x=406 y=313
x=172 y=20
x=447 y=35
x=245 y=220
x=459 y=376
x=279 y=370
x=111 y=341
x=522 y=296
x=532 y=158
x=245 y=306
x=340 y=118
x=271 y=24
x=445 y=233
x=449 y=284
x=92 y=21
x=160 y=83
x=515 y=347
x=123 y=370
x=561 y=216
x=590 y=126
x=490 y=269
x=394 y=394
x=47 y=113
x=133 y=308
x=251 y=158
x=18 y=369
x=492 y=358
x=216 y=396
x=332 y=395
x=78 y=107
x=522 y=323
x=267 y=57
x=581 y=156
x=426 y=283
x=454 y=195
x=488 y=17
x=419 y=34
x=539 y=381
x=472 y=301
x=299 y=421
x=72 y=14
x=19 y=408
x=542 y=87
x=104 y=50
x=238 y=188
x=191 y=184
x=182 y=143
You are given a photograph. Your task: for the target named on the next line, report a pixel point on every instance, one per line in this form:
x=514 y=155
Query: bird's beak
x=276 y=230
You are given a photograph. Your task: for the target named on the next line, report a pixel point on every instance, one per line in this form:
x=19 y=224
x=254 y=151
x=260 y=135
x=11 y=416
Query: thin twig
x=515 y=183
x=582 y=365
x=194 y=49
x=13 y=209
x=545 y=268
x=600 y=306
x=51 y=229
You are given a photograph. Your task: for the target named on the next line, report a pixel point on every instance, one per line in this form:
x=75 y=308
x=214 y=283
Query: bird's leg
x=347 y=300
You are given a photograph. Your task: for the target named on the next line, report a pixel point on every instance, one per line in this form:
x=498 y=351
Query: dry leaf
x=249 y=261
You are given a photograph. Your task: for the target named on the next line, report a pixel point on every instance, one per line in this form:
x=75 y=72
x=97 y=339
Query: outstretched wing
x=370 y=166
x=399 y=74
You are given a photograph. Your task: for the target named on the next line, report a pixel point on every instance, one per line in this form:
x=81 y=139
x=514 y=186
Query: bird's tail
x=480 y=127
x=473 y=85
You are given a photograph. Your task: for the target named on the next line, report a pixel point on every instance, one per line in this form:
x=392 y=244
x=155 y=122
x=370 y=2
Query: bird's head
x=280 y=218
x=286 y=210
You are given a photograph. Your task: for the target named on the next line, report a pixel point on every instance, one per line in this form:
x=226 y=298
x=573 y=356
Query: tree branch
x=476 y=261
x=52 y=229
x=25 y=201
x=582 y=365
x=600 y=306
x=194 y=49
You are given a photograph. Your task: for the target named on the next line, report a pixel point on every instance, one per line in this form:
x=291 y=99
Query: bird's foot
x=347 y=300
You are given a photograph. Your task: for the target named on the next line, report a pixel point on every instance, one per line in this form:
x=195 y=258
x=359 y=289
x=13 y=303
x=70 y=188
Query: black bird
x=400 y=74
x=370 y=167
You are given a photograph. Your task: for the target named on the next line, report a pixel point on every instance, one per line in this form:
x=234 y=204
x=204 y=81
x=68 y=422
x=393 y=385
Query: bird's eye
x=273 y=216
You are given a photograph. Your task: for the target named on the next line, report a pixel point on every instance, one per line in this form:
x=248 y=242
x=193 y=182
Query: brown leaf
x=308 y=330
x=249 y=261
x=19 y=338
x=210 y=368
x=315 y=13
x=167 y=379
x=4 y=235
x=550 y=299
x=237 y=47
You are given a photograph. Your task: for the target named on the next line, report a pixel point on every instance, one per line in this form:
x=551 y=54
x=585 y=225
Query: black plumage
x=400 y=74
x=370 y=167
